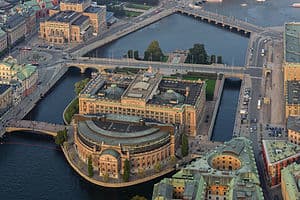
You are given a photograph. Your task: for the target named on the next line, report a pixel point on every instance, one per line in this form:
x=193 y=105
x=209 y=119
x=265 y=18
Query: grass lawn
x=132 y=14
x=209 y=79
x=138 y=6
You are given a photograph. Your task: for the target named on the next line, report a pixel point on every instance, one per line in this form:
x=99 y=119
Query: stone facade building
x=290 y=182
x=15 y=28
x=5 y=97
x=293 y=127
x=3 y=41
x=73 y=21
x=227 y=173
x=292 y=68
x=111 y=139
x=147 y=95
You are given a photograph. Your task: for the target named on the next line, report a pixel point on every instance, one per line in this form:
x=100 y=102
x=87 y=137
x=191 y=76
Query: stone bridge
x=100 y=64
x=34 y=126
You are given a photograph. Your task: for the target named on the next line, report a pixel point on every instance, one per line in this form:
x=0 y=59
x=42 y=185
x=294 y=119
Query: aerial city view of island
x=150 y=100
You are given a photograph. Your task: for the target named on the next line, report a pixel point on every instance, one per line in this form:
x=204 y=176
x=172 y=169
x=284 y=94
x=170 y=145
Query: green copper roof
x=290 y=177
x=111 y=152
x=25 y=72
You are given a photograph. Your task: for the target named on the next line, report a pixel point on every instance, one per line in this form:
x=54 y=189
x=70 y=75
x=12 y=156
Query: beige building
x=290 y=182
x=227 y=173
x=5 y=97
x=146 y=95
x=292 y=68
x=15 y=28
x=111 y=139
x=24 y=78
x=293 y=127
x=3 y=41
x=73 y=21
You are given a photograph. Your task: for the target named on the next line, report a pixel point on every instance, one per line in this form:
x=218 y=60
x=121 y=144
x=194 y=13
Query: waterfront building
x=227 y=173
x=293 y=127
x=290 y=182
x=73 y=21
x=146 y=94
x=112 y=139
x=278 y=154
x=5 y=97
x=3 y=41
x=292 y=68
x=15 y=27
x=24 y=78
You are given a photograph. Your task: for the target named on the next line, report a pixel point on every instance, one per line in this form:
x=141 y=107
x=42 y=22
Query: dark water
x=180 y=32
x=224 y=124
x=32 y=167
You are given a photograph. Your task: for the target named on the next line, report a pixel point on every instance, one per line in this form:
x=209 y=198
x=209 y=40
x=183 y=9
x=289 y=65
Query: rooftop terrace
x=277 y=150
x=292 y=42
x=291 y=177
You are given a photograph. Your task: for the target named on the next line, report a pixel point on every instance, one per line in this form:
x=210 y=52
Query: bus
x=258 y=104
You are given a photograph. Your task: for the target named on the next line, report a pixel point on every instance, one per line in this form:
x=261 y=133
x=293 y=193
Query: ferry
x=260 y=0
x=296 y=5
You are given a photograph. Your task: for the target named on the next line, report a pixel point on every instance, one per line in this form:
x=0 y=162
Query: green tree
x=80 y=85
x=157 y=167
x=197 y=55
x=126 y=173
x=137 y=197
x=61 y=137
x=153 y=52
x=90 y=167
x=106 y=177
x=219 y=60
x=130 y=53
x=213 y=59
x=136 y=55
x=184 y=145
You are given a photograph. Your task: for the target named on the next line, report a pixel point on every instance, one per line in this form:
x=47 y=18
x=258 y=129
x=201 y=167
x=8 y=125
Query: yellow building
x=147 y=95
x=292 y=68
x=227 y=173
x=293 y=127
x=73 y=21
x=290 y=182
x=112 y=139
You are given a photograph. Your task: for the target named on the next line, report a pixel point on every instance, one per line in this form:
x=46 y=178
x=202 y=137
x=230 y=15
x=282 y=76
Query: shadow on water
x=223 y=128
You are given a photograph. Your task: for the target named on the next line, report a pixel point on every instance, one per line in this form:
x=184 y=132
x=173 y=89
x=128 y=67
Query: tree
x=61 y=137
x=130 y=53
x=219 y=60
x=90 y=167
x=136 y=55
x=197 y=55
x=126 y=173
x=80 y=85
x=137 y=197
x=213 y=59
x=157 y=167
x=184 y=145
x=153 y=52
x=106 y=177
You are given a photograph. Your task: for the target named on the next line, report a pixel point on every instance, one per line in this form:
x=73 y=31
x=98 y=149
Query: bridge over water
x=105 y=63
x=34 y=126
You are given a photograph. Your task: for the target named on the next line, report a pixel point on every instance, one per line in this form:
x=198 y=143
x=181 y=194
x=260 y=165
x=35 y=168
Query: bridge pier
x=82 y=70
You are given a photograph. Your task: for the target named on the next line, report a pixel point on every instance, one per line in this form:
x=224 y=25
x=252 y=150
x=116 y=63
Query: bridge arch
x=83 y=69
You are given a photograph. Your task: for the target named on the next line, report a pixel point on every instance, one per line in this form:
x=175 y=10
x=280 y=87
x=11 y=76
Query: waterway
x=180 y=32
x=224 y=124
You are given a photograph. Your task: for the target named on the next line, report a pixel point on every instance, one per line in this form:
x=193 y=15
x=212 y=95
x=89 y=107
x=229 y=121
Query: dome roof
x=114 y=92
x=171 y=95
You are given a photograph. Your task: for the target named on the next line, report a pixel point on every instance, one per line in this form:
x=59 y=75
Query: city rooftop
x=277 y=150
x=292 y=42
x=293 y=123
x=291 y=177
x=64 y=16
x=293 y=92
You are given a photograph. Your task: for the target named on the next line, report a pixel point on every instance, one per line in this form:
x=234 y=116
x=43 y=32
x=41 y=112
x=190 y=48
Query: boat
x=260 y=0
x=296 y=5
x=243 y=4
